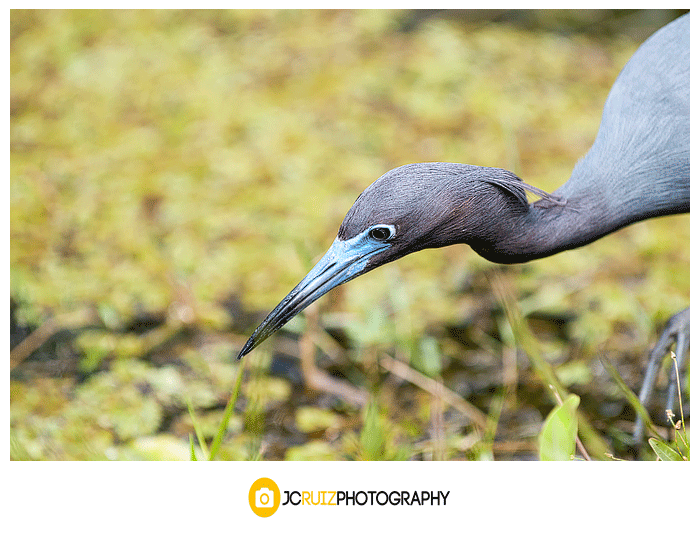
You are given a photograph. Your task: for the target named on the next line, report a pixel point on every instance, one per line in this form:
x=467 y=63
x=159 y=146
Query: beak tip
x=247 y=347
x=342 y=262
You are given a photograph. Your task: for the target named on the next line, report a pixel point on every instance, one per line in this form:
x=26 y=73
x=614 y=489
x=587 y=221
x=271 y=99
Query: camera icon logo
x=264 y=497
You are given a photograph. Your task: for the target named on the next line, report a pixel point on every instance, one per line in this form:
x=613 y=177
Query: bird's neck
x=586 y=211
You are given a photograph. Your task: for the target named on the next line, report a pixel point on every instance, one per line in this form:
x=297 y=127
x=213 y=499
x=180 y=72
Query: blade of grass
x=679 y=430
x=678 y=385
x=197 y=430
x=630 y=396
x=228 y=411
x=193 y=455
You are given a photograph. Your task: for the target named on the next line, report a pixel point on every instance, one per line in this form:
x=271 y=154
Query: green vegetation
x=175 y=173
x=558 y=435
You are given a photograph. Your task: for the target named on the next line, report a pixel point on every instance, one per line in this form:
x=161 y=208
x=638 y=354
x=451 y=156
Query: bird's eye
x=381 y=232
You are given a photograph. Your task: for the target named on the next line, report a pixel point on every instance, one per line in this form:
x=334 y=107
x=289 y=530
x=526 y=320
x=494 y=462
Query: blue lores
x=344 y=260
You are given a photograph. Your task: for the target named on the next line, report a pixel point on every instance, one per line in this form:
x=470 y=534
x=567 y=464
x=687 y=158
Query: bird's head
x=412 y=207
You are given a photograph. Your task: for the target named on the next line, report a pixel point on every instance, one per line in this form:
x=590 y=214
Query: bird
x=637 y=168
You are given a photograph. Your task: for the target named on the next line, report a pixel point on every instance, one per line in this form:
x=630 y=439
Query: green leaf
x=665 y=452
x=558 y=435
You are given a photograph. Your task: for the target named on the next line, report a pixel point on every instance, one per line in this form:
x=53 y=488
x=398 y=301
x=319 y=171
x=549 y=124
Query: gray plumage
x=637 y=168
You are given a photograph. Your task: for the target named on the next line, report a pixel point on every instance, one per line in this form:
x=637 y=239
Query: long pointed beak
x=344 y=260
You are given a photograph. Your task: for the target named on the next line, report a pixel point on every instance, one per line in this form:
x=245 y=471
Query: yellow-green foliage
x=162 y=161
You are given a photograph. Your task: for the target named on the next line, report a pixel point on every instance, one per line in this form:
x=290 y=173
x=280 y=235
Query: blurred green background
x=175 y=173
